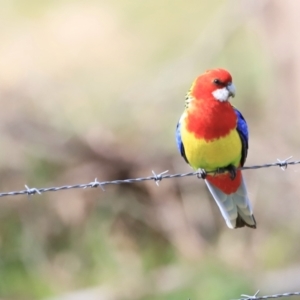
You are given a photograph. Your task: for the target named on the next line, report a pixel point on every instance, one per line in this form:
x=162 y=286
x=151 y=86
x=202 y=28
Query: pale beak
x=231 y=89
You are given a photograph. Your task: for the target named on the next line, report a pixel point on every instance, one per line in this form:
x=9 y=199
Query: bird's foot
x=219 y=171
x=232 y=171
x=201 y=173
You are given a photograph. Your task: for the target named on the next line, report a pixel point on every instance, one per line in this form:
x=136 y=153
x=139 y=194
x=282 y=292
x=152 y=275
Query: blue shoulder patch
x=242 y=126
x=242 y=129
x=179 y=142
x=178 y=138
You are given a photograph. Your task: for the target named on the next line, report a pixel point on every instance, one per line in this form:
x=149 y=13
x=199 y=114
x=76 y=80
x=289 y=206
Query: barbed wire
x=283 y=164
x=256 y=297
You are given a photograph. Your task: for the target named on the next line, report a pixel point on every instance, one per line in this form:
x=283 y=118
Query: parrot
x=212 y=135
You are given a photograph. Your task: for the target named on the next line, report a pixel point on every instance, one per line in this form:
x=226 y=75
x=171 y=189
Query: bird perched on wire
x=213 y=135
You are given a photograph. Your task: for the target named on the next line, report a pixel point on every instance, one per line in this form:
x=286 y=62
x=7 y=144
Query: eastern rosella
x=212 y=134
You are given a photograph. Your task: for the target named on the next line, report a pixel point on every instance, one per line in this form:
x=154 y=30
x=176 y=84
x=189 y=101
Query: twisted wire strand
x=283 y=164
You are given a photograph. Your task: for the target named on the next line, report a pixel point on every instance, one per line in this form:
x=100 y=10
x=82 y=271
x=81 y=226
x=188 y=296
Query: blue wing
x=179 y=142
x=242 y=129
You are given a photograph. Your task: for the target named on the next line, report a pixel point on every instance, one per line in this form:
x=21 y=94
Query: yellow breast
x=210 y=155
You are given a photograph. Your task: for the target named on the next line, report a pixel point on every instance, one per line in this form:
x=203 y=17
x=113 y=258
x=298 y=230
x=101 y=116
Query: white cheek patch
x=221 y=95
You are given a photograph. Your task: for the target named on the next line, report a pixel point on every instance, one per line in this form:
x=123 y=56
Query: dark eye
x=217 y=81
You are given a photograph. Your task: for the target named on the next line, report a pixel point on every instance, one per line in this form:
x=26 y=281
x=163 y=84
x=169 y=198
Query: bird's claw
x=232 y=171
x=201 y=173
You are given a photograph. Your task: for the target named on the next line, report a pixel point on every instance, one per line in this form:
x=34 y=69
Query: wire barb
x=256 y=297
x=95 y=184
x=156 y=177
x=201 y=173
x=283 y=164
x=32 y=191
x=247 y=297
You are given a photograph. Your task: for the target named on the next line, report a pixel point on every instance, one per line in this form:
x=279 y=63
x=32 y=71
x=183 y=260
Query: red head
x=214 y=84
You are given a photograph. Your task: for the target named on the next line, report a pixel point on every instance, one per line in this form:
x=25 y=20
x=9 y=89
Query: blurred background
x=94 y=89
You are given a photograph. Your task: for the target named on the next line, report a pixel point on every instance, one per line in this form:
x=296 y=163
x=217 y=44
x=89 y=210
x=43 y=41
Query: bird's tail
x=232 y=199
